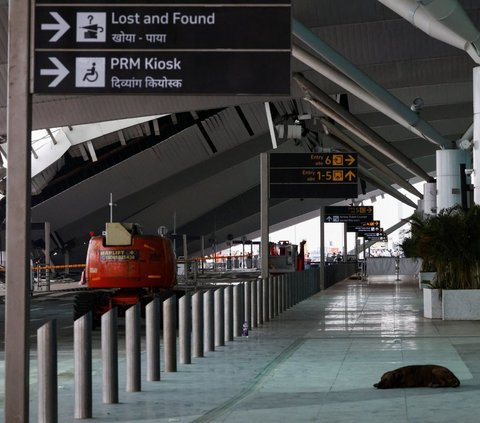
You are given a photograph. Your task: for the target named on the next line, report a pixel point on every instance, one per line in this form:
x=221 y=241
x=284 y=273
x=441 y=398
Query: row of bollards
x=206 y=319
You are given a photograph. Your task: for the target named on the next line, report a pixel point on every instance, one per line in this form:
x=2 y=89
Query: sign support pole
x=322 y=248
x=17 y=310
x=264 y=215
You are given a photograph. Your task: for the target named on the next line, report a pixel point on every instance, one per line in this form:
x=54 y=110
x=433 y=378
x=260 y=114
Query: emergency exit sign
x=228 y=47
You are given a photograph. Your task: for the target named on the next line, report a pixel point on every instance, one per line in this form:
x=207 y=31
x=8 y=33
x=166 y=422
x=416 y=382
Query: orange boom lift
x=124 y=267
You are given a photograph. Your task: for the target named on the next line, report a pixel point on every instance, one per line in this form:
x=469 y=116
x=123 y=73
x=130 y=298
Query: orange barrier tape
x=65 y=266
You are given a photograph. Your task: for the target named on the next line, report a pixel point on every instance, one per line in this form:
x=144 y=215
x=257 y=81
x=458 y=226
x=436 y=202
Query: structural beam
x=344 y=139
x=381 y=184
x=405 y=116
x=358 y=128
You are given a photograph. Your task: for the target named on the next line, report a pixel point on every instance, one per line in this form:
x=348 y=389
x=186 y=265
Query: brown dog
x=428 y=375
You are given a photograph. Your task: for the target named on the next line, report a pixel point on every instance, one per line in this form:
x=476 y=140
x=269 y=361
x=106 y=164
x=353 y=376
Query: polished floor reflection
x=317 y=362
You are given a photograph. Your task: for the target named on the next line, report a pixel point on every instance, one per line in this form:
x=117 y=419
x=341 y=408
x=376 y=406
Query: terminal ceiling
x=197 y=157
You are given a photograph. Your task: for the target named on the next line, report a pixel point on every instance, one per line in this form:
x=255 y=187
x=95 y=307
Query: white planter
x=426 y=277
x=432 y=303
x=461 y=304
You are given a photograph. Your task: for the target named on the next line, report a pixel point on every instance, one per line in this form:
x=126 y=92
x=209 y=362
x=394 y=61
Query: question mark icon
x=90 y=19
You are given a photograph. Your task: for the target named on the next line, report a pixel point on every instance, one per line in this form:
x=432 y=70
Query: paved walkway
x=316 y=362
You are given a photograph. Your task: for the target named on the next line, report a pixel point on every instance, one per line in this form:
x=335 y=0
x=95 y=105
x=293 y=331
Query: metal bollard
x=248 y=304
x=169 y=334
x=260 y=290
x=275 y=295
x=152 y=335
x=110 y=357
x=47 y=373
x=237 y=310
x=219 y=318
x=266 y=299
x=208 y=322
x=288 y=289
x=271 y=297
x=228 y=313
x=82 y=346
x=132 y=348
x=185 y=329
x=253 y=304
x=197 y=324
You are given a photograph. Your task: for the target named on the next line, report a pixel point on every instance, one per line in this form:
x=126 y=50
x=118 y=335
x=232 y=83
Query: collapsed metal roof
x=195 y=159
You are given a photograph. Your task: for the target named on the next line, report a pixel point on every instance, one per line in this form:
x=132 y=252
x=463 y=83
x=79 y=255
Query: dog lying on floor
x=417 y=376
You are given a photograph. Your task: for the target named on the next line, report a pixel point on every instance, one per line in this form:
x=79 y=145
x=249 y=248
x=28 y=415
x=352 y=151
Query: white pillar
x=448 y=177
x=430 y=198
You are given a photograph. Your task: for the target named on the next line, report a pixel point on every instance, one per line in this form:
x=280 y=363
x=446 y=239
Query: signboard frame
x=115 y=48
x=313 y=175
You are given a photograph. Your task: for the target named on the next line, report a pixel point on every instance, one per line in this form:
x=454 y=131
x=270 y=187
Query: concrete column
x=430 y=198
x=448 y=177
x=247 y=299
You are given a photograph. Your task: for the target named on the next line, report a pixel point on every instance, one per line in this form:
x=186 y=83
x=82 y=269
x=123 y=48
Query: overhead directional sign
x=163 y=46
x=369 y=226
x=313 y=175
x=352 y=215
x=377 y=235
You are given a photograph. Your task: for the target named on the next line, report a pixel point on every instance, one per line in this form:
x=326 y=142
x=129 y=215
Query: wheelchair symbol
x=91 y=75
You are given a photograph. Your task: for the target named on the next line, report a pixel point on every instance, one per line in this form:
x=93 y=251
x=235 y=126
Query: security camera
x=417 y=104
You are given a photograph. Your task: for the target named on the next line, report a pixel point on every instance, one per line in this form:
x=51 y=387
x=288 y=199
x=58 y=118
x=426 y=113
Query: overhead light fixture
x=289 y=131
x=304 y=116
x=417 y=104
x=464 y=144
x=270 y=125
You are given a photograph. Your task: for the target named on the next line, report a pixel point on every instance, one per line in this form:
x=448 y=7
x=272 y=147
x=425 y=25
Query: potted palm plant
x=450 y=241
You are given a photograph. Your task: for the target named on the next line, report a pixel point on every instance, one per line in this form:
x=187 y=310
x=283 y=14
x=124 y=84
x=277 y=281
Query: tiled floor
x=316 y=362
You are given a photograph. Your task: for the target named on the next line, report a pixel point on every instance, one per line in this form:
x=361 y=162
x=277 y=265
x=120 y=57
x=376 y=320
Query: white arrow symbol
x=60 y=72
x=61 y=27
